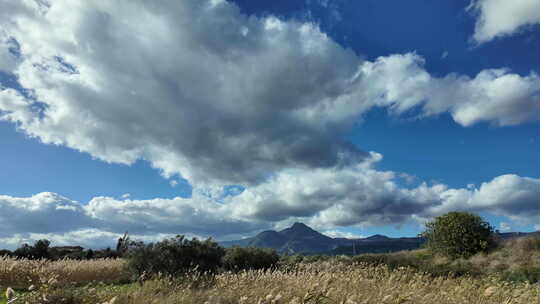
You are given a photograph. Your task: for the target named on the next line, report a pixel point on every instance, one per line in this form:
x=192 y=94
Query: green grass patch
x=88 y=294
x=3 y=299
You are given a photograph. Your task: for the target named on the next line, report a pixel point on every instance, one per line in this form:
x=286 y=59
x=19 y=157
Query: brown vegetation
x=321 y=282
x=501 y=276
x=22 y=273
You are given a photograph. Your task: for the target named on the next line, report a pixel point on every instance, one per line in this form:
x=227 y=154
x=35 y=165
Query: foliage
x=40 y=250
x=459 y=234
x=238 y=258
x=174 y=256
x=122 y=245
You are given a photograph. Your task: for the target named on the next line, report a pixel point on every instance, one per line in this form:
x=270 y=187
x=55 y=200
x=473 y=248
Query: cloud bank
x=499 y=18
x=325 y=199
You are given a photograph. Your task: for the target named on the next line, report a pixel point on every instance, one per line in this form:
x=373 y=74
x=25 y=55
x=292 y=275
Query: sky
x=215 y=118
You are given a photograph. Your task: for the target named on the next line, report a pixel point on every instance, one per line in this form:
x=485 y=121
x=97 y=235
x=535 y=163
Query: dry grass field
x=21 y=274
x=339 y=280
x=335 y=282
x=321 y=282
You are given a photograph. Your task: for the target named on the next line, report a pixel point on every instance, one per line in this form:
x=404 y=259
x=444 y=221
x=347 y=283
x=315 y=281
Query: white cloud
x=87 y=238
x=342 y=234
x=505 y=227
x=507 y=195
x=173 y=183
x=200 y=101
x=42 y=213
x=498 y=18
x=325 y=199
x=200 y=90
x=496 y=95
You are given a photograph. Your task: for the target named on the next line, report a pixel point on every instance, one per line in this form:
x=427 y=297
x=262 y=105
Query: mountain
x=300 y=238
x=511 y=235
x=377 y=237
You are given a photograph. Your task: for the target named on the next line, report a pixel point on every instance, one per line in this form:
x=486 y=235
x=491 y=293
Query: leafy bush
x=40 y=250
x=459 y=234
x=238 y=258
x=174 y=256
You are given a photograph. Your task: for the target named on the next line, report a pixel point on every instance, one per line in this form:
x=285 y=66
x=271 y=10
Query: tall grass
x=22 y=273
x=513 y=260
x=320 y=282
x=399 y=278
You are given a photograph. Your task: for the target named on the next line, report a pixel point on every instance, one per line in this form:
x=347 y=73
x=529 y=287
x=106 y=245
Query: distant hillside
x=299 y=238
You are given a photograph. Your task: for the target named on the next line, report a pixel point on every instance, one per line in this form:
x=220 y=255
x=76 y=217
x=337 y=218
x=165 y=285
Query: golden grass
x=335 y=282
x=320 y=282
x=22 y=273
x=515 y=255
x=512 y=255
x=338 y=280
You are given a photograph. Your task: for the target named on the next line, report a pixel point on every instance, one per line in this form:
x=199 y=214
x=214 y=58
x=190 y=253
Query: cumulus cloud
x=495 y=95
x=194 y=87
x=200 y=90
x=365 y=196
x=198 y=214
x=505 y=227
x=324 y=199
x=102 y=219
x=87 y=238
x=342 y=234
x=498 y=18
x=42 y=213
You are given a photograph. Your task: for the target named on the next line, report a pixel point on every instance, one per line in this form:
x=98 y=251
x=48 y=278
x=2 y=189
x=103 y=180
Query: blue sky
x=154 y=122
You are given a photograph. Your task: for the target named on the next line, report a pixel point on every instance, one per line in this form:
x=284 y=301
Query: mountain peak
x=377 y=237
x=298 y=226
x=301 y=230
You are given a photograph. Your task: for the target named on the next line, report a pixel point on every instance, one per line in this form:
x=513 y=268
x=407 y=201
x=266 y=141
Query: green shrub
x=237 y=258
x=459 y=235
x=174 y=256
x=525 y=274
